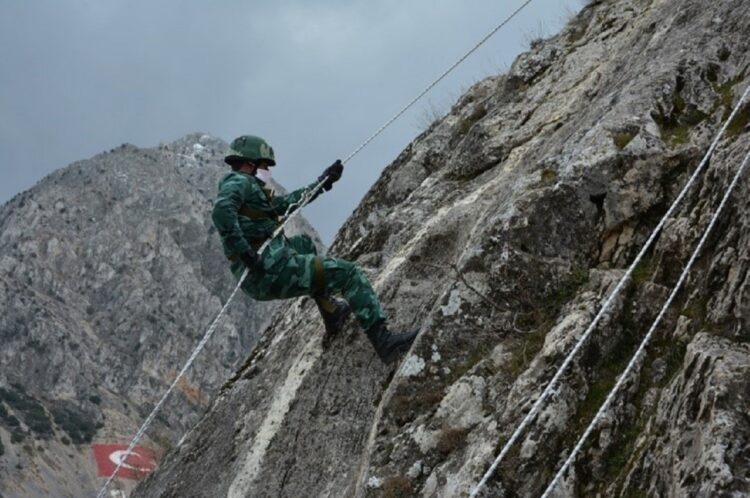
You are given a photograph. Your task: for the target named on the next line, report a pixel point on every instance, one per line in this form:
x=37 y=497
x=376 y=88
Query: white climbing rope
x=639 y=353
x=439 y=79
x=620 y=285
x=158 y=406
x=308 y=197
x=291 y=211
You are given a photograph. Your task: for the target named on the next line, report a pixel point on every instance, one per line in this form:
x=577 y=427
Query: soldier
x=247 y=212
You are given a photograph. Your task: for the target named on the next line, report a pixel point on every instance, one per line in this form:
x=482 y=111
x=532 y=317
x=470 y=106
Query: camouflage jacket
x=238 y=192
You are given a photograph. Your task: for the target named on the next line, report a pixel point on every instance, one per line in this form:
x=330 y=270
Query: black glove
x=251 y=260
x=332 y=174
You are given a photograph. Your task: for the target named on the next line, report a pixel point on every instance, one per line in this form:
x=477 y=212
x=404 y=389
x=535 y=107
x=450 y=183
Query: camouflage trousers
x=288 y=271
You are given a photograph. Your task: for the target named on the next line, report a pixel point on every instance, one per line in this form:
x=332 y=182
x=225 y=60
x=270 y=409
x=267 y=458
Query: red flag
x=140 y=463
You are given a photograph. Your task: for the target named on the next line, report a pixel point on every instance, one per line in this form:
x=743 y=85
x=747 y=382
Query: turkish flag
x=140 y=463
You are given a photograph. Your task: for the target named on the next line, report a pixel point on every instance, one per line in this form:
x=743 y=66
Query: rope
x=620 y=285
x=438 y=80
x=639 y=353
x=291 y=211
x=158 y=406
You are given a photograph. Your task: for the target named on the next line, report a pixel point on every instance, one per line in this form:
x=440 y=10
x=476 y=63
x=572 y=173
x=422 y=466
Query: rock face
x=497 y=233
x=110 y=272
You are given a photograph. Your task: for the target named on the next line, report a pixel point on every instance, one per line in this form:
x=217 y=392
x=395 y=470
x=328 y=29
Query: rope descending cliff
x=551 y=386
x=638 y=356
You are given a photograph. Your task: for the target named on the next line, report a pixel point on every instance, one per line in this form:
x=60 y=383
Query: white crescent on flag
x=119 y=458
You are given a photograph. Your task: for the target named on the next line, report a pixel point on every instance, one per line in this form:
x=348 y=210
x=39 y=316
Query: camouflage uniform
x=246 y=214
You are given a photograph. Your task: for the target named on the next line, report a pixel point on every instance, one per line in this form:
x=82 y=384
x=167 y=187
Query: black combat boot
x=387 y=344
x=335 y=313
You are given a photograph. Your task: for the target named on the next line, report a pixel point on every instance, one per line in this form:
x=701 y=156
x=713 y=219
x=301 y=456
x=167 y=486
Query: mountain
x=497 y=233
x=110 y=272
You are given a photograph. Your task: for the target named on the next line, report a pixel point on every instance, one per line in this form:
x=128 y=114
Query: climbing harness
x=620 y=285
x=639 y=352
x=293 y=209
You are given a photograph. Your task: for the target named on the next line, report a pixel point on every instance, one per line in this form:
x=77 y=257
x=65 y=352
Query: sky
x=314 y=78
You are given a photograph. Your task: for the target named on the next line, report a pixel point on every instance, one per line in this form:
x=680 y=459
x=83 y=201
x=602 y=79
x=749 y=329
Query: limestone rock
x=497 y=233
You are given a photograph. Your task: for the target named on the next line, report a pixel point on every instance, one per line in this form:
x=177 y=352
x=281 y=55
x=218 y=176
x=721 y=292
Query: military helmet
x=249 y=148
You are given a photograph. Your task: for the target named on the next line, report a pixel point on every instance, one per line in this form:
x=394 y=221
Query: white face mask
x=263 y=175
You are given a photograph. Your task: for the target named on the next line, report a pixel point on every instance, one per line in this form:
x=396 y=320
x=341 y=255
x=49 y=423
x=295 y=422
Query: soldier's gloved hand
x=251 y=260
x=332 y=174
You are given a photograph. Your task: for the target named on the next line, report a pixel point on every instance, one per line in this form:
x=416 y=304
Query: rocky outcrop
x=110 y=272
x=497 y=233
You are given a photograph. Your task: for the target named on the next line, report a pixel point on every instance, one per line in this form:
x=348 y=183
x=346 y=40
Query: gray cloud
x=314 y=78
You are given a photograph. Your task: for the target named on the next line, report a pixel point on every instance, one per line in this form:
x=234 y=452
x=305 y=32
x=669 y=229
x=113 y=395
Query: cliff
x=497 y=233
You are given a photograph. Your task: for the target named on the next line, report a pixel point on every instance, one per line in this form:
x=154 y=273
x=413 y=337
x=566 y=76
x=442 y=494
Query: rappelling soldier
x=246 y=213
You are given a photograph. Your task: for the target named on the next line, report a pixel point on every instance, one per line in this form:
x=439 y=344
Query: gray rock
x=497 y=233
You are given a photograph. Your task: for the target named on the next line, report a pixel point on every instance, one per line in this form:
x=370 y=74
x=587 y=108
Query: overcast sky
x=315 y=78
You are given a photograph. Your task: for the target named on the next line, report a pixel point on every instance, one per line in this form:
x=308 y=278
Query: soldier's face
x=247 y=167
x=252 y=168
